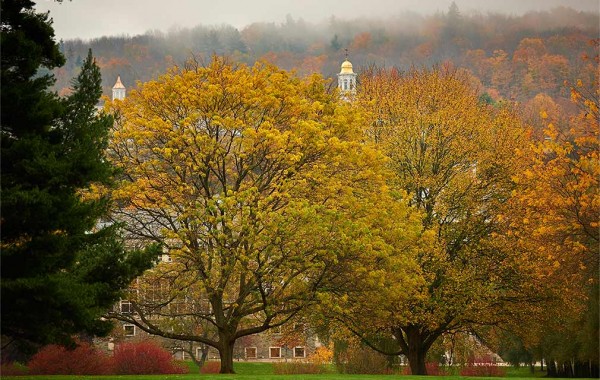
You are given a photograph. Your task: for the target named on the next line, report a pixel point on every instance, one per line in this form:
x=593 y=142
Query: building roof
x=119 y=84
x=346 y=68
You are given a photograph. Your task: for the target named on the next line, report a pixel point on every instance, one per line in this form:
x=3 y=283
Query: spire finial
x=346 y=50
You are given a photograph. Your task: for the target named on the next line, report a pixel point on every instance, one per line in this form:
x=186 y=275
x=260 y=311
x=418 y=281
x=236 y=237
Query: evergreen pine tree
x=60 y=270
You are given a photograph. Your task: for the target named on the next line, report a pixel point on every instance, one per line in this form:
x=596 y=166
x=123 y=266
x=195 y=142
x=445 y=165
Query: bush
x=58 y=360
x=322 y=355
x=433 y=369
x=298 y=368
x=13 y=369
x=211 y=367
x=144 y=358
x=483 y=370
x=363 y=361
x=483 y=366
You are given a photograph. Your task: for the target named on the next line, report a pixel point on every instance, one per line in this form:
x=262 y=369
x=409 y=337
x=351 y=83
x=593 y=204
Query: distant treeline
x=524 y=58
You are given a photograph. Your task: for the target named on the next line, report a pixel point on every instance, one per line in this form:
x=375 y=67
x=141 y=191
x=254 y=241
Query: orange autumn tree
x=555 y=217
x=260 y=189
x=454 y=157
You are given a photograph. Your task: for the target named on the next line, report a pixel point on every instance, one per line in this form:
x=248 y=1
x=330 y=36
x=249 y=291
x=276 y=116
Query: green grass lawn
x=264 y=371
x=257 y=377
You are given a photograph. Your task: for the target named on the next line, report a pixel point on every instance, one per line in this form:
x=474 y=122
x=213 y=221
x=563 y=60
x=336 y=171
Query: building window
x=129 y=330
x=177 y=350
x=299 y=352
x=274 y=352
x=250 y=352
x=126 y=307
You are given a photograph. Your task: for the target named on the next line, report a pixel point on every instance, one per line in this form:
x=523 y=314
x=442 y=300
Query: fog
x=87 y=19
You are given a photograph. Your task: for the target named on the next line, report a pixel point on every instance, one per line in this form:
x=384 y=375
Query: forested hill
x=524 y=58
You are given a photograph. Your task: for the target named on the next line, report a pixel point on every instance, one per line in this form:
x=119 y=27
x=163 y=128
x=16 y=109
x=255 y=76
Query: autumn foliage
x=264 y=188
x=457 y=197
x=451 y=158
x=483 y=366
x=554 y=218
x=260 y=187
x=144 y=357
x=58 y=360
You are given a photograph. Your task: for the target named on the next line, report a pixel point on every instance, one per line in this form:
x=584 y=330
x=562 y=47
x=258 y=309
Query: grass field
x=264 y=371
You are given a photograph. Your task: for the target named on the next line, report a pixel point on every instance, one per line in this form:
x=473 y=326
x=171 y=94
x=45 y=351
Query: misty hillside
x=510 y=57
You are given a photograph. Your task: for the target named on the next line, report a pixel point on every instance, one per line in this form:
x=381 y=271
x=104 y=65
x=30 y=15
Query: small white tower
x=118 y=90
x=347 y=78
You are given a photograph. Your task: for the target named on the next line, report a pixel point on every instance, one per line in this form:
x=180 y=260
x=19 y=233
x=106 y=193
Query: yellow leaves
x=551 y=132
x=95 y=192
x=247 y=171
x=454 y=159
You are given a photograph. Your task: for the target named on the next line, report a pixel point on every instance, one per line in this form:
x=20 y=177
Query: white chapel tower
x=118 y=90
x=347 y=78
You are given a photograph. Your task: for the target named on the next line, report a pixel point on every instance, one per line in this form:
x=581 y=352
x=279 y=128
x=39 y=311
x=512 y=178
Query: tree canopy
x=261 y=188
x=555 y=217
x=454 y=156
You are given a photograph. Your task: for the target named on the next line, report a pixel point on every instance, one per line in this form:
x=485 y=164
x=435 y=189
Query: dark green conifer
x=60 y=270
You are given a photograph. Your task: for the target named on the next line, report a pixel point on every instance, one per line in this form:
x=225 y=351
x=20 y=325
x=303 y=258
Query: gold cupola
x=347 y=79
x=346 y=68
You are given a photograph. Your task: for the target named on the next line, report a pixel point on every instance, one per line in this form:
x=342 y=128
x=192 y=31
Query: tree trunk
x=568 y=369
x=204 y=349
x=593 y=367
x=417 y=351
x=198 y=360
x=226 y=354
x=416 y=360
x=551 y=366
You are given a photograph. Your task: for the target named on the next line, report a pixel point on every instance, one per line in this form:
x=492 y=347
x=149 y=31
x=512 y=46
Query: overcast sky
x=95 y=18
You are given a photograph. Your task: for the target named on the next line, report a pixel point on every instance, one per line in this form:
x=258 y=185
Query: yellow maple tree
x=261 y=190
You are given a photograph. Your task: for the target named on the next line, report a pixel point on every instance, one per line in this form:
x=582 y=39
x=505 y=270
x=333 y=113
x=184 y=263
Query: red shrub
x=433 y=369
x=211 y=367
x=144 y=358
x=58 y=360
x=482 y=366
